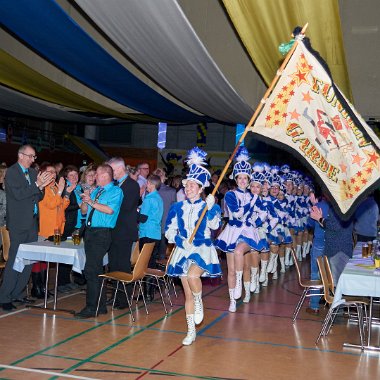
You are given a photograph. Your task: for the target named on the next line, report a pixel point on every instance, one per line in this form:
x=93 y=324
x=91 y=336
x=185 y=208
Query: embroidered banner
x=307 y=115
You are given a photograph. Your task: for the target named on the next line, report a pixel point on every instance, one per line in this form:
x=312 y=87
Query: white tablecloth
x=65 y=253
x=358 y=278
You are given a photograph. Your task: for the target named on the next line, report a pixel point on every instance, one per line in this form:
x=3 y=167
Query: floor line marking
x=39 y=304
x=44 y=372
x=73 y=367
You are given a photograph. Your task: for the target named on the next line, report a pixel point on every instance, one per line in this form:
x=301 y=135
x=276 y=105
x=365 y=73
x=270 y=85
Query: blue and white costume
x=194 y=256
x=180 y=224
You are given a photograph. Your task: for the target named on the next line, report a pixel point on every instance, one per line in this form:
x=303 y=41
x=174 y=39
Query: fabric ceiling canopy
x=50 y=31
x=175 y=61
x=262 y=24
x=23 y=104
x=17 y=75
x=158 y=36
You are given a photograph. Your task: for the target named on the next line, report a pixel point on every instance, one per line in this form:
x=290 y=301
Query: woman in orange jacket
x=52 y=217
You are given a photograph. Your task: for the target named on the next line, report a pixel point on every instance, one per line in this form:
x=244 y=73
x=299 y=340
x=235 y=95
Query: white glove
x=210 y=201
x=186 y=245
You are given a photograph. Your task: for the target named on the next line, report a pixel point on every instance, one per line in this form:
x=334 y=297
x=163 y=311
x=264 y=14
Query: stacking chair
x=134 y=278
x=307 y=286
x=328 y=290
x=161 y=275
x=135 y=254
x=163 y=264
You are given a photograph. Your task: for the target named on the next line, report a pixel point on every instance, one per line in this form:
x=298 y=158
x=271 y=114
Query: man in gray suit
x=23 y=189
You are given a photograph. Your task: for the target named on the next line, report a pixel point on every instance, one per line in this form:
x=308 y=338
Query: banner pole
x=249 y=125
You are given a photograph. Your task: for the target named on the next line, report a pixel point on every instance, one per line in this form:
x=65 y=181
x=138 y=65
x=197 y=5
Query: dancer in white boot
x=190 y=261
x=284 y=232
x=275 y=236
x=238 y=203
x=288 y=179
x=273 y=207
x=259 y=243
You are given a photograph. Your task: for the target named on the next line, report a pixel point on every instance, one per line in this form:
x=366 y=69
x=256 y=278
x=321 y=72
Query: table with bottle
x=361 y=277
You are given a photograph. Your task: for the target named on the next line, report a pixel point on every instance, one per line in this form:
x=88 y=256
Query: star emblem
x=343 y=167
x=356 y=159
x=306 y=97
x=294 y=115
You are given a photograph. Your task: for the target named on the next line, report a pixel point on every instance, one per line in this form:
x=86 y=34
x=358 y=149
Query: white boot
x=304 y=253
x=265 y=282
x=274 y=270
x=289 y=251
x=299 y=253
x=287 y=257
x=191 y=333
x=282 y=263
x=238 y=285
x=198 y=308
x=264 y=264
x=247 y=296
x=232 y=308
x=254 y=278
x=257 y=290
x=309 y=244
x=272 y=259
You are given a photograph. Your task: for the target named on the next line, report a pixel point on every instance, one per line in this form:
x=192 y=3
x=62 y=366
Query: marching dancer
x=190 y=261
x=238 y=203
x=275 y=232
x=288 y=180
x=256 y=185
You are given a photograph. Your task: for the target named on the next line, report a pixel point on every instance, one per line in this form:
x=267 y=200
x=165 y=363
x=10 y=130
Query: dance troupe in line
x=267 y=215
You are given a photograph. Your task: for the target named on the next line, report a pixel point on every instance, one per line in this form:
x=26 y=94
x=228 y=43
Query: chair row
x=141 y=271
x=326 y=287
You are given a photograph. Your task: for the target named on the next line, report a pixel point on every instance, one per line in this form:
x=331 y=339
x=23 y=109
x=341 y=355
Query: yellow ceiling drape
x=264 y=24
x=20 y=77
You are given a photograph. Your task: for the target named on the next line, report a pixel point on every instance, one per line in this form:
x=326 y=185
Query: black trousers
x=155 y=253
x=97 y=242
x=14 y=283
x=120 y=260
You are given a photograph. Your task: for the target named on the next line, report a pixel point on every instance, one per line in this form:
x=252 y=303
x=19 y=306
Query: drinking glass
x=57 y=237
x=76 y=237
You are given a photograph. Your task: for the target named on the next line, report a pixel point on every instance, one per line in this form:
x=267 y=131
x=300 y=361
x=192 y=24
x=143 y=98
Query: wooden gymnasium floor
x=259 y=341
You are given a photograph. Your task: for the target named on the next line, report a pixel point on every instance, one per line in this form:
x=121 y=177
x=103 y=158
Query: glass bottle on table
x=57 y=236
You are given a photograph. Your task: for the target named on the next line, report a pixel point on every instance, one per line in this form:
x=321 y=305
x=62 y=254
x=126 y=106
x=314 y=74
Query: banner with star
x=307 y=115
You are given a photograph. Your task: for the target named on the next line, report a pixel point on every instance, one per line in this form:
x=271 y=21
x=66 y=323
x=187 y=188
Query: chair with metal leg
x=161 y=275
x=163 y=264
x=328 y=291
x=307 y=285
x=135 y=278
